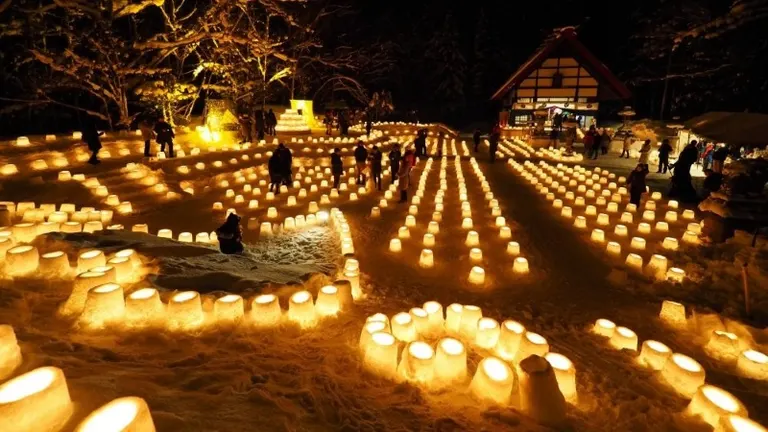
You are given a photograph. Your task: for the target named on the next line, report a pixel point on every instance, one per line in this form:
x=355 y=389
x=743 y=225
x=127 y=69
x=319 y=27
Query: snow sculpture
x=10 y=353
x=684 y=374
x=127 y=414
x=493 y=381
x=540 y=395
x=185 y=311
x=711 y=403
x=301 y=309
x=35 y=401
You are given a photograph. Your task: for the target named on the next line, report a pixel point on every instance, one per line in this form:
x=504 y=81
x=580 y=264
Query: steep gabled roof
x=566 y=36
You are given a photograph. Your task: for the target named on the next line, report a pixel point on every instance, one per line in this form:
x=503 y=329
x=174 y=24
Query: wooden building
x=563 y=76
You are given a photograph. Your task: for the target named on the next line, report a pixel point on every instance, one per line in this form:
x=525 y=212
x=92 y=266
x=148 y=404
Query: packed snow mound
x=182 y=266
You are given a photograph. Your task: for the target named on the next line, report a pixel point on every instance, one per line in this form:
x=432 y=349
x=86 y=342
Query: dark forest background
x=441 y=59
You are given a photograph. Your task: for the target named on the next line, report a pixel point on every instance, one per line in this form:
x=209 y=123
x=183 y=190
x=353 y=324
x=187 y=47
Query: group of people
x=280 y=168
x=400 y=167
x=257 y=125
x=161 y=131
x=338 y=120
x=596 y=142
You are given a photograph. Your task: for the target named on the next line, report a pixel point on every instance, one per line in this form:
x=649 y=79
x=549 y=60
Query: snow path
x=312 y=380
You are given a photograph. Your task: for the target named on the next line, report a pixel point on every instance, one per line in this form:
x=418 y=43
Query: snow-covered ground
x=313 y=379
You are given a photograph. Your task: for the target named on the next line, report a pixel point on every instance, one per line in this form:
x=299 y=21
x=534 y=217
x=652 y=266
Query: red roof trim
x=568 y=36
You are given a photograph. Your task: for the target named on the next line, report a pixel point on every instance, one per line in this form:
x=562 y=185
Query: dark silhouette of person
x=147 y=133
x=476 y=139
x=275 y=167
x=664 y=150
x=286 y=159
x=493 y=142
x=165 y=136
x=636 y=183
x=361 y=158
x=394 y=161
x=91 y=138
x=271 y=121
x=230 y=235
x=681 y=185
x=376 y=167
x=337 y=167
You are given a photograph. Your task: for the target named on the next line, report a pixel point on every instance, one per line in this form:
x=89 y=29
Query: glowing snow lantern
x=684 y=374
x=144 y=308
x=624 y=338
x=403 y=327
x=557 y=203
x=395 y=245
x=711 y=403
x=691 y=237
x=598 y=235
x=580 y=222
x=626 y=217
x=565 y=373
x=35 y=401
x=673 y=313
x=736 y=423
x=10 y=353
x=634 y=261
x=566 y=212
x=417 y=363
x=753 y=364
x=381 y=354
x=670 y=216
x=493 y=381
x=301 y=309
x=410 y=221
x=670 y=243
x=265 y=310
x=450 y=365
x=473 y=239
x=328 y=303
x=637 y=243
x=21 y=260
x=604 y=327
x=477 y=275
x=694 y=227
x=466 y=223
x=403 y=232
x=689 y=214
x=654 y=354
x=104 y=305
x=120 y=415
x=487 y=333
x=185 y=311
x=675 y=274
x=531 y=344
x=723 y=346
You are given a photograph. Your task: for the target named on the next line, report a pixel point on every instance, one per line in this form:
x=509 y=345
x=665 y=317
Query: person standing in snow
x=165 y=136
x=626 y=146
x=337 y=167
x=636 y=183
x=394 y=161
x=145 y=126
x=403 y=175
x=476 y=139
x=275 y=167
x=681 y=185
x=718 y=159
x=376 y=167
x=361 y=159
x=91 y=139
x=286 y=160
x=664 y=150
x=271 y=122
x=368 y=125
x=645 y=153
x=605 y=142
x=493 y=142
x=230 y=235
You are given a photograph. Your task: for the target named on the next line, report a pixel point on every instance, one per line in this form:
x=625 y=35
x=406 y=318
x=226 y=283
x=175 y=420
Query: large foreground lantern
x=301 y=309
x=36 y=401
x=228 y=309
x=493 y=381
x=104 y=304
x=753 y=364
x=684 y=374
x=21 y=260
x=381 y=354
x=126 y=414
x=265 y=311
x=654 y=354
x=565 y=373
x=450 y=362
x=143 y=308
x=417 y=363
x=711 y=403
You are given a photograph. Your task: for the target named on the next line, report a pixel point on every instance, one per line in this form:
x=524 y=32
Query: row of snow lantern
x=26 y=260
x=546 y=378
x=713 y=405
x=101 y=191
x=559 y=155
x=516 y=146
x=39 y=400
x=658 y=263
x=722 y=345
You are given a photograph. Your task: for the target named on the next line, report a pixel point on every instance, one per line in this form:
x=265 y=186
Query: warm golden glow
x=124 y=414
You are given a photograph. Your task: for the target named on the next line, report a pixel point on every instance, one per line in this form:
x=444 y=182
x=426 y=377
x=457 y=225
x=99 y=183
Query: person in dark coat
x=368 y=125
x=361 y=160
x=493 y=142
x=344 y=124
x=230 y=235
x=589 y=141
x=275 y=167
x=260 y=125
x=146 y=126
x=476 y=139
x=337 y=167
x=165 y=136
x=605 y=142
x=420 y=143
x=91 y=139
x=271 y=122
x=681 y=185
x=664 y=150
x=636 y=183
x=286 y=160
x=376 y=167
x=394 y=161
x=245 y=127
x=403 y=175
